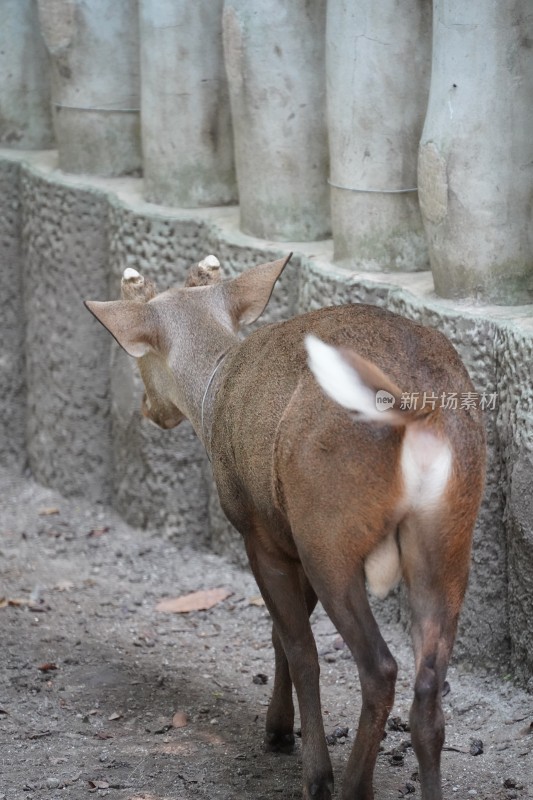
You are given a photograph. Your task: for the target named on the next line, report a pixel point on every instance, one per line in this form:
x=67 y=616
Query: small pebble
x=476 y=747
x=52 y=783
x=408 y=788
x=396 y=759
x=397 y=724
x=510 y=783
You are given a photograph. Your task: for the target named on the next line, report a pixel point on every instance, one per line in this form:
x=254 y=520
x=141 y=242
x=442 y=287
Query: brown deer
x=325 y=498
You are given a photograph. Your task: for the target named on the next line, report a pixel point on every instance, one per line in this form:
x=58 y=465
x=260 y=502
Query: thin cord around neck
x=209 y=382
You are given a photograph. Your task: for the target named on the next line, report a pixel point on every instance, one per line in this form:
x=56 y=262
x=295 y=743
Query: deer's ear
x=132 y=324
x=249 y=294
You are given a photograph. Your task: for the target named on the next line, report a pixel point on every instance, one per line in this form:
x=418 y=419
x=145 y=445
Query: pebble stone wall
x=71 y=399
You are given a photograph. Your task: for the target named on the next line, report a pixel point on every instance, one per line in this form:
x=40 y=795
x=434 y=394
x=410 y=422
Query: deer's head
x=178 y=335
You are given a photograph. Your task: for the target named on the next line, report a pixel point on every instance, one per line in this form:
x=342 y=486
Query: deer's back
x=270 y=409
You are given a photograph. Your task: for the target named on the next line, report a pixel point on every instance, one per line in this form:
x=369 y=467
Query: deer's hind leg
x=279 y=737
x=289 y=599
x=339 y=582
x=435 y=563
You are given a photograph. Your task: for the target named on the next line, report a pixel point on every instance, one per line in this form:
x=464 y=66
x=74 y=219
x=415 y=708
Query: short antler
x=205 y=273
x=135 y=288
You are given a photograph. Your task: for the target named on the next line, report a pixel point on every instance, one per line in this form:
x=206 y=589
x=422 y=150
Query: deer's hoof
x=319 y=790
x=279 y=742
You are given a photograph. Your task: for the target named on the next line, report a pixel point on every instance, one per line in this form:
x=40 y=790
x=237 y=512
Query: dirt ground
x=92 y=676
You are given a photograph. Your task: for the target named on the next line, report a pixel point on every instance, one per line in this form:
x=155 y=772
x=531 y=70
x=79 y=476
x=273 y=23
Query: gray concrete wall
x=64 y=244
x=85 y=434
x=187 y=136
x=94 y=52
x=476 y=151
x=12 y=370
x=25 y=95
x=464 y=204
x=378 y=67
x=274 y=53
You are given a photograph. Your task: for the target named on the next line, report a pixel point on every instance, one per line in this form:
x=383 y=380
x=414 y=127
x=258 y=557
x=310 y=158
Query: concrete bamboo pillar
x=378 y=65
x=187 y=139
x=476 y=152
x=25 y=110
x=95 y=78
x=274 y=54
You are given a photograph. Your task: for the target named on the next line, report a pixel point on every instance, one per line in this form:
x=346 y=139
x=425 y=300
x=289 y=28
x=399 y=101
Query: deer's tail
x=360 y=386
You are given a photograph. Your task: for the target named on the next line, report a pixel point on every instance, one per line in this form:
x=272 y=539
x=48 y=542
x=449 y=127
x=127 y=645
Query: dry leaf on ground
x=256 y=600
x=22 y=602
x=196 y=601
x=95 y=532
x=64 y=586
x=179 y=720
x=14 y=601
x=94 y=785
x=49 y=666
x=48 y=511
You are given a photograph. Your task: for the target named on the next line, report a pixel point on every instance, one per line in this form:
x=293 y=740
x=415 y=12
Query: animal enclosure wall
x=402 y=127
x=73 y=412
x=383 y=128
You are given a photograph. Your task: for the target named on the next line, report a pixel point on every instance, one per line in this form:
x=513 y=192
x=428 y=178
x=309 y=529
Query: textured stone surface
x=514 y=353
x=157 y=476
x=12 y=377
x=378 y=65
x=186 y=122
x=64 y=240
x=474 y=177
x=25 y=109
x=162 y=477
x=520 y=540
x=78 y=237
x=94 y=52
x=274 y=53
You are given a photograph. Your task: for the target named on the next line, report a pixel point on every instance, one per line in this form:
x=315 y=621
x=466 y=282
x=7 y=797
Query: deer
x=335 y=497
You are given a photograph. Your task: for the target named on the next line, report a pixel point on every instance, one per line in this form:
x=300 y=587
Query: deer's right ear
x=249 y=293
x=131 y=324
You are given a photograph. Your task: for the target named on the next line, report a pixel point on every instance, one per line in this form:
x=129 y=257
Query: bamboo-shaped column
x=378 y=65
x=476 y=153
x=186 y=122
x=274 y=53
x=95 y=81
x=25 y=113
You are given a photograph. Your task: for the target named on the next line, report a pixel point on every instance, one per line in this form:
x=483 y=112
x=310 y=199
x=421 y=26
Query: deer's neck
x=199 y=392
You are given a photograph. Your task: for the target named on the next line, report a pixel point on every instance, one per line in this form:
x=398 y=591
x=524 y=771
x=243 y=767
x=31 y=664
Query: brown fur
x=313 y=491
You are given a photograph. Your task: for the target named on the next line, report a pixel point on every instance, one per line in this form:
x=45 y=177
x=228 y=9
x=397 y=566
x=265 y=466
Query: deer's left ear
x=133 y=325
x=249 y=293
